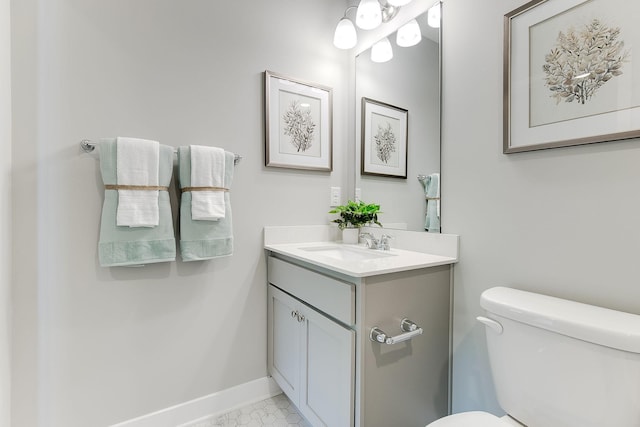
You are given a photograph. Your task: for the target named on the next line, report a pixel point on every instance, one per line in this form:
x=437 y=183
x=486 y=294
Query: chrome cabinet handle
x=409 y=328
x=296 y=314
x=377 y=335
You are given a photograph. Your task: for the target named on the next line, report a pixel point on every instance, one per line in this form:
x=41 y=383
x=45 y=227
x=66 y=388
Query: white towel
x=137 y=163
x=207 y=170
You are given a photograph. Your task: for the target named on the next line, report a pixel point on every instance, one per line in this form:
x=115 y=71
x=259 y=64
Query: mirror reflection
x=403 y=78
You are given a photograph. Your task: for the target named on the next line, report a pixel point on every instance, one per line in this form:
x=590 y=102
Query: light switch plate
x=336 y=196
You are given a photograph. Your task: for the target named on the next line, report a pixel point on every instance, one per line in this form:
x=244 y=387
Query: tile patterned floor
x=277 y=411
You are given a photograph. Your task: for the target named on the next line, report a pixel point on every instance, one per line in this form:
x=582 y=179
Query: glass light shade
x=409 y=34
x=433 y=16
x=382 y=51
x=398 y=2
x=369 y=14
x=345 y=36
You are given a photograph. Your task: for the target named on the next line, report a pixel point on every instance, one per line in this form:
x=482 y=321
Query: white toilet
x=558 y=363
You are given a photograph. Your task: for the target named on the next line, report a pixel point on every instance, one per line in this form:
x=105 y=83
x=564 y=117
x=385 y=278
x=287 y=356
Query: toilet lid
x=469 y=419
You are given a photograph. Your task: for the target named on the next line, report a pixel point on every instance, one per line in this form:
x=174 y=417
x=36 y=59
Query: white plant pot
x=350 y=236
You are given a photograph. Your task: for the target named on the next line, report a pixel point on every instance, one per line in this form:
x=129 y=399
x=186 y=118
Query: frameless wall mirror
x=398 y=124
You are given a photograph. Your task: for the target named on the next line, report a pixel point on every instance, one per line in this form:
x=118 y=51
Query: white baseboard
x=207 y=406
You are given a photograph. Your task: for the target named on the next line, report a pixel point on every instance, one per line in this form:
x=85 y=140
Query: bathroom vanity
x=324 y=300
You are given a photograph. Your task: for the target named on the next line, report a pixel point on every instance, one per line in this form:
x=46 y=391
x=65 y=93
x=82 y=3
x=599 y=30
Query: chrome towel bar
x=88 y=147
x=409 y=328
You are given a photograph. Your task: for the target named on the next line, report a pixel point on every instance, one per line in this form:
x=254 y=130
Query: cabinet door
x=328 y=373
x=284 y=342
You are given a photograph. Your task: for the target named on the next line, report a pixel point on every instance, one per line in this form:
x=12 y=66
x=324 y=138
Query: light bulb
x=398 y=2
x=369 y=14
x=409 y=34
x=345 y=36
x=381 y=51
x=433 y=16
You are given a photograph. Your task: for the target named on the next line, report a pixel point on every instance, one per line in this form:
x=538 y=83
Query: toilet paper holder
x=409 y=328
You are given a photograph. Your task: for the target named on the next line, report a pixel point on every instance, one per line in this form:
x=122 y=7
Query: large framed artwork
x=298 y=124
x=571 y=73
x=384 y=139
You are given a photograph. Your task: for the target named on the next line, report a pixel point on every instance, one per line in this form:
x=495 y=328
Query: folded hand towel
x=207 y=171
x=137 y=164
x=200 y=240
x=128 y=246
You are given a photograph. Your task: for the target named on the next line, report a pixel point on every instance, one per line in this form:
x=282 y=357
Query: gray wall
x=562 y=222
x=94 y=346
x=5 y=214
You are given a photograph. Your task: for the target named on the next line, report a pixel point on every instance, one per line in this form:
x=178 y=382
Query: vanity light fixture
x=369 y=14
x=381 y=51
x=345 y=36
x=409 y=34
x=372 y=13
x=389 y=11
x=433 y=15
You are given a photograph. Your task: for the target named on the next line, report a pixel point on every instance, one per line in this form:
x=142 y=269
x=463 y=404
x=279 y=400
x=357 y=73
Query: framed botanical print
x=571 y=73
x=298 y=124
x=384 y=139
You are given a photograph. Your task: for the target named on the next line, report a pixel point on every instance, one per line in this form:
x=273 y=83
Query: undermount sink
x=347 y=253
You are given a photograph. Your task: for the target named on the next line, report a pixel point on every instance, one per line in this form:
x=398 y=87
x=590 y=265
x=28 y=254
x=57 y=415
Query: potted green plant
x=354 y=215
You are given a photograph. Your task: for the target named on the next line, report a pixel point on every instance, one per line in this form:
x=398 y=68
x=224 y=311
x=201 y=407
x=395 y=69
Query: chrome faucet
x=370 y=240
x=372 y=243
x=384 y=244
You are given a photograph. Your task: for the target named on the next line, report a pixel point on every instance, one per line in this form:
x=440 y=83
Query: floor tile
x=276 y=411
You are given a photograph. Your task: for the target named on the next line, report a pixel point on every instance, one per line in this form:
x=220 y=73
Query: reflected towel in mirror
x=432 y=195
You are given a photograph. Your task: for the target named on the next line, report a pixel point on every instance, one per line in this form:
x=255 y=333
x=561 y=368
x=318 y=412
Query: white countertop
x=391 y=261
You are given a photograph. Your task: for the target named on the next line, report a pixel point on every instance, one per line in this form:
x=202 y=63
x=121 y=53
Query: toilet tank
x=559 y=363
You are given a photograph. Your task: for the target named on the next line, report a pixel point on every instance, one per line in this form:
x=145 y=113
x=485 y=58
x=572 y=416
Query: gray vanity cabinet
x=311 y=355
x=321 y=355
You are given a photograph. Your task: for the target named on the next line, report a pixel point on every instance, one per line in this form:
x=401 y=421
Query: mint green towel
x=432 y=194
x=200 y=240
x=121 y=246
